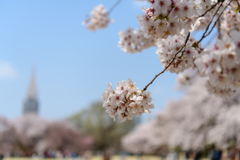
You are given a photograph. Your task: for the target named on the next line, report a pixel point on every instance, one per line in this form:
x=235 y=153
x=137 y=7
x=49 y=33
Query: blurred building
x=31 y=102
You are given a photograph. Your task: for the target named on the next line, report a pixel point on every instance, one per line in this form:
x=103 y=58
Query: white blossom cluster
x=222 y=65
x=166 y=24
x=168 y=21
x=126 y=101
x=231 y=20
x=167 y=48
x=132 y=41
x=99 y=19
x=168 y=17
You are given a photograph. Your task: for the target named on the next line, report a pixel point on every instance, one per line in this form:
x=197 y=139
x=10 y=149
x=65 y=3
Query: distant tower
x=31 y=103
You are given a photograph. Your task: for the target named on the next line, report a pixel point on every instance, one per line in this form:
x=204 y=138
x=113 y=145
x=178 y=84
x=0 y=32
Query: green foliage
x=107 y=133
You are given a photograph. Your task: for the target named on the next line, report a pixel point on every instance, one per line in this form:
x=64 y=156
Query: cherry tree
x=20 y=135
x=138 y=141
x=191 y=122
x=30 y=129
x=60 y=136
x=30 y=134
x=6 y=132
x=169 y=25
x=31 y=125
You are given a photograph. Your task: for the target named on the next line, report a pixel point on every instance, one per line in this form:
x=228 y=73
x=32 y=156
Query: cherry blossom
x=126 y=101
x=99 y=19
x=167 y=18
x=221 y=66
x=133 y=41
x=30 y=134
x=169 y=24
x=167 y=49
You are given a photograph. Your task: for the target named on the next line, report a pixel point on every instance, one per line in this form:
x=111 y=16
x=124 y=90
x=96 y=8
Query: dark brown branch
x=213 y=6
x=218 y=18
x=180 y=50
x=113 y=7
x=204 y=34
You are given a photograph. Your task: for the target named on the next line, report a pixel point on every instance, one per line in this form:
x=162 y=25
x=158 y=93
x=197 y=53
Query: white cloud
x=7 y=71
x=141 y=3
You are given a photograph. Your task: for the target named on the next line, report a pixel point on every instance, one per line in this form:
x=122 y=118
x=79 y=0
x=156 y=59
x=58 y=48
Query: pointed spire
x=32 y=90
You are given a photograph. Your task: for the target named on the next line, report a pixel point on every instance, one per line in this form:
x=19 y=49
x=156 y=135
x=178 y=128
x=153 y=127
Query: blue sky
x=73 y=65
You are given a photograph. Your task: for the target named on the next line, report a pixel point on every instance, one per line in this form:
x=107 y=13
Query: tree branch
x=204 y=34
x=113 y=7
x=218 y=18
x=209 y=9
x=180 y=50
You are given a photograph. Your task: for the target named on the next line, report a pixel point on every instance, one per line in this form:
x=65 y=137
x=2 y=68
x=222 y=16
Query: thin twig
x=175 y=56
x=209 y=9
x=113 y=7
x=218 y=18
x=204 y=34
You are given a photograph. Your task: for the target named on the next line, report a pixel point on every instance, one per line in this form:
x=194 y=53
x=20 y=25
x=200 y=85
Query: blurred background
x=72 y=65
x=53 y=72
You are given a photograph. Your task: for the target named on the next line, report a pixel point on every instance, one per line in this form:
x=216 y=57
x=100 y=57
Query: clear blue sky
x=73 y=65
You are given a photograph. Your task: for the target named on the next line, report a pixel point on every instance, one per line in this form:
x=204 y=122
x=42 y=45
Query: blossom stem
x=175 y=56
x=113 y=7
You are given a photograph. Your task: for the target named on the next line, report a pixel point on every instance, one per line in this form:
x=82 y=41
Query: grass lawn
x=94 y=158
